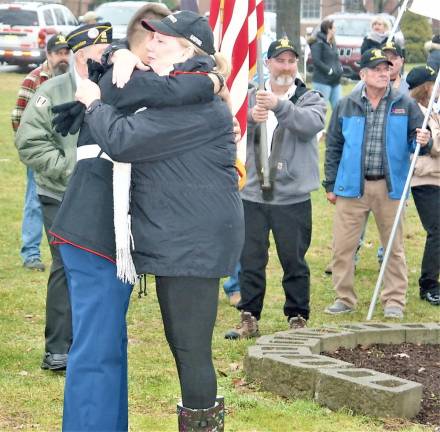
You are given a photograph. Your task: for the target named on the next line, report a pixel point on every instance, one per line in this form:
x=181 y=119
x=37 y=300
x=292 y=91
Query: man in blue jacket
x=371 y=134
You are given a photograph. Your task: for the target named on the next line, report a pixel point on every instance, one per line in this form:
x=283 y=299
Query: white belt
x=91 y=151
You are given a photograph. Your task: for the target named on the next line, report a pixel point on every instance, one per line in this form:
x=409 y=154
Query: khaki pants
x=350 y=217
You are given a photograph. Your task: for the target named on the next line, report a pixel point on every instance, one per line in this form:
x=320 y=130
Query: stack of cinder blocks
x=290 y=364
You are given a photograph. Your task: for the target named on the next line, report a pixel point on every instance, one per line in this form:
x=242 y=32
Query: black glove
x=96 y=70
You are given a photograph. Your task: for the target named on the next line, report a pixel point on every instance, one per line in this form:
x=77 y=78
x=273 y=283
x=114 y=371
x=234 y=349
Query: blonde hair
x=222 y=65
x=381 y=20
x=135 y=32
x=422 y=93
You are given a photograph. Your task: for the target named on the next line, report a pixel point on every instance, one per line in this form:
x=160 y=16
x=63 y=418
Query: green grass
x=31 y=399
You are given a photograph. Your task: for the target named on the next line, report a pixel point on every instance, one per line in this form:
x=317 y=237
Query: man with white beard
x=293 y=115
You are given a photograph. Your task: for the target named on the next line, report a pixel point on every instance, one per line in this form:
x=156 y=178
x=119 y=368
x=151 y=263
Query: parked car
x=25 y=27
x=351 y=28
x=119 y=14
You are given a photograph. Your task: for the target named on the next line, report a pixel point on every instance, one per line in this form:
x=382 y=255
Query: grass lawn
x=31 y=399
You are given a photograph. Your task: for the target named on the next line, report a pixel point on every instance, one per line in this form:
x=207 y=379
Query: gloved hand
x=70 y=115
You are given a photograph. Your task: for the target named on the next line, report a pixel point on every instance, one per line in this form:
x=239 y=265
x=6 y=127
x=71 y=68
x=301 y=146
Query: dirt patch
x=419 y=363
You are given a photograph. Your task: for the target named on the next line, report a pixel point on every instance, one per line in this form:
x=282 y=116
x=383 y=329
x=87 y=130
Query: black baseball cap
x=372 y=57
x=419 y=75
x=90 y=34
x=185 y=24
x=57 y=42
x=279 y=46
x=393 y=47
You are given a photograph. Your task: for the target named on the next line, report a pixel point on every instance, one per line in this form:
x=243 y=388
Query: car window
x=116 y=15
x=60 y=16
x=350 y=27
x=71 y=20
x=18 y=17
x=48 y=17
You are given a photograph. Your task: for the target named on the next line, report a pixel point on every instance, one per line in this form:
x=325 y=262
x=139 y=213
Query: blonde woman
x=380 y=28
x=187 y=216
x=425 y=186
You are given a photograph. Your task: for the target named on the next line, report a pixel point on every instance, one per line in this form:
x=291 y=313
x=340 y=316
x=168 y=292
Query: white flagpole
x=401 y=204
x=264 y=157
x=402 y=9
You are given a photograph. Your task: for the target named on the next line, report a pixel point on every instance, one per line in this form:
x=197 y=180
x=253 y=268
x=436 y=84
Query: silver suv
x=25 y=28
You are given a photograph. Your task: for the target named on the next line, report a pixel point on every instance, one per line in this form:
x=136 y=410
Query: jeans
x=32 y=225
x=232 y=284
x=331 y=93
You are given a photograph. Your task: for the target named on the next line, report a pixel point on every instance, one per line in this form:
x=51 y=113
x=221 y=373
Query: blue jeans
x=331 y=93
x=32 y=225
x=232 y=285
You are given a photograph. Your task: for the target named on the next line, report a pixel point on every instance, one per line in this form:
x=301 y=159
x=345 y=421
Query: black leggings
x=189 y=310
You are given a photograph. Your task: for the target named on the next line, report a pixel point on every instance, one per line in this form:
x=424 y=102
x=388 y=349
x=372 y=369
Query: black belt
x=374 y=177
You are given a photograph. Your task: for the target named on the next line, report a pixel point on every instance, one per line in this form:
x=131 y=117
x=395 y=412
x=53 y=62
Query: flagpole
x=264 y=156
x=401 y=204
x=402 y=9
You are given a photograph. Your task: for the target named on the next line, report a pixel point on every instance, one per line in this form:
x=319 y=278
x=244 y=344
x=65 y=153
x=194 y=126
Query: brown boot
x=202 y=420
x=248 y=327
x=297 y=322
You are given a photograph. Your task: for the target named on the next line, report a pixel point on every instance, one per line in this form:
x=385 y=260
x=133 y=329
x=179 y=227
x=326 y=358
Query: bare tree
x=288 y=19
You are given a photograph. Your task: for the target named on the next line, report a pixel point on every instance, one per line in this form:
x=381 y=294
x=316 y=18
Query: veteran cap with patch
x=419 y=75
x=56 y=42
x=90 y=34
x=393 y=47
x=279 y=46
x=372 y=57
x=185 y=24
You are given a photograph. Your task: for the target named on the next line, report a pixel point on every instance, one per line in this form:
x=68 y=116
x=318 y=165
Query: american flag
x=236 y=25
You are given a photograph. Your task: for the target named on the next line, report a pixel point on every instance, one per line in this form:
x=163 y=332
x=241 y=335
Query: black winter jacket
x=187 y=216
x=85 y=218
x=368 y=43
x=327 y=68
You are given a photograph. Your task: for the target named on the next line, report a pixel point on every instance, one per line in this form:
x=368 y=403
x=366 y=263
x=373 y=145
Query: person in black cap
x=395 y=55
x=57 y=61
x=425 y=186
x=53 y=157
x=184 y=200
x=371 y=135
x=293 y=116
x=327 y=68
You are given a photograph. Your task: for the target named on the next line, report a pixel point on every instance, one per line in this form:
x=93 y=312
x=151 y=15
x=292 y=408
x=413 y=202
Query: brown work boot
x=248 y=327
x=297 y=322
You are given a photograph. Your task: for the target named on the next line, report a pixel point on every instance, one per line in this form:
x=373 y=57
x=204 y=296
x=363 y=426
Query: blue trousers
x=232 y=284
x=331 y=94
x=96 y=389
x=32 y=225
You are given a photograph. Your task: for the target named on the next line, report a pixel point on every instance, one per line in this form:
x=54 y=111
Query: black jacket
x=187 y=216
x=327 y=68
x=368 y=43
x=85 y=218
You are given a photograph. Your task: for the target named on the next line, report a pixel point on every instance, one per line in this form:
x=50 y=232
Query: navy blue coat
x=85 y=218
x=187 y=216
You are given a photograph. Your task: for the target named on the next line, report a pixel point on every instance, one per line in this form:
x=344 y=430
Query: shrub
x=417 y=30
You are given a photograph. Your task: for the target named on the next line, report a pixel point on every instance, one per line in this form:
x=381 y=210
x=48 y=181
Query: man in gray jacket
x=293 y=115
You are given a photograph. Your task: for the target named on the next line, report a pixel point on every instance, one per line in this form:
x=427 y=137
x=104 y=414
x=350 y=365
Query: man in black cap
x=52 y=158
x=57 y=61
x=293 y=116
x=371 y=135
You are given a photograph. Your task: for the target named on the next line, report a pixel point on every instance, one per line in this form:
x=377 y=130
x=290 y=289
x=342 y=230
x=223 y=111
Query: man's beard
x=284 y=80
x=60 y=68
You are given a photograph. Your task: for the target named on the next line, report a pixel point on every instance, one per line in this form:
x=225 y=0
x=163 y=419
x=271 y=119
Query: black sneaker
x=54 y=362
x=34 y=264
x=431 y=296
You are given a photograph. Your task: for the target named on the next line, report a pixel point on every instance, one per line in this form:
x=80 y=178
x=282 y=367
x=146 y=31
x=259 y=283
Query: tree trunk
x=288 y=20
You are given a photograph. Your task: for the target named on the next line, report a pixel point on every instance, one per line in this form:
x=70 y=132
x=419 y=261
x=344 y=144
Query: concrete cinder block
x=331 y=338
x=290 y=375
x=369 y=392
x=377 y=333
x=418 y=333
x=313 y=344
